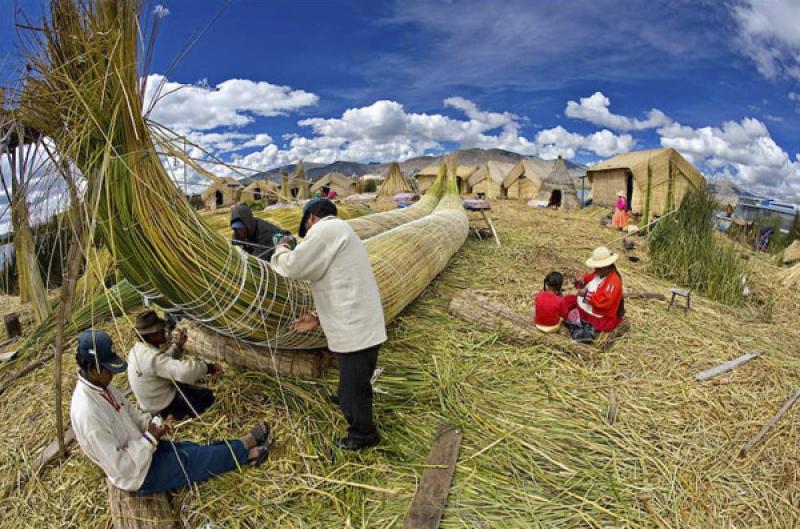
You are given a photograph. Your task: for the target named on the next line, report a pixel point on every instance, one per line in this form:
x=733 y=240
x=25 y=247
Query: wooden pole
x=772 y=422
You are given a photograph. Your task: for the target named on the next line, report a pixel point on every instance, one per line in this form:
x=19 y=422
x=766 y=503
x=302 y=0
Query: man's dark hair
x=322 y=209
x=555 y=280
x=84 y=363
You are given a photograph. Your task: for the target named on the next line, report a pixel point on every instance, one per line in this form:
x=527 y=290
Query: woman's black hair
x=555 y=280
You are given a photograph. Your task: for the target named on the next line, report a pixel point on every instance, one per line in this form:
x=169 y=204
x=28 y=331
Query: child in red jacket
x=550 y=308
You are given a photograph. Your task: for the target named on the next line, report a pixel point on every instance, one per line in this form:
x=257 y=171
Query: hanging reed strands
x=88 y=96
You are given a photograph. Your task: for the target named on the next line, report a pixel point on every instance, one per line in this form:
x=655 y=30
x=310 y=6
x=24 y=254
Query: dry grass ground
x=538 y=448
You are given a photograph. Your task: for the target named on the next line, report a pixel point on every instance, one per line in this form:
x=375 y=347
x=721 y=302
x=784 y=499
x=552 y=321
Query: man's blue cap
x=96 y=347
x=237 y=225
x=306 y=212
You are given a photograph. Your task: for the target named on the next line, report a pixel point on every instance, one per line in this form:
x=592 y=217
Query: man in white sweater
x=163 y=381
x=127 y=444
x=334 y=260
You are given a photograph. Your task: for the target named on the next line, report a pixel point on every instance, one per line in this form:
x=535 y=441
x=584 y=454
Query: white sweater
x=334 y=260
x=151 y=372
x=114 y=437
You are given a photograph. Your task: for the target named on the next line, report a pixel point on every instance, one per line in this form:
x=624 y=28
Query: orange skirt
x=620 y=218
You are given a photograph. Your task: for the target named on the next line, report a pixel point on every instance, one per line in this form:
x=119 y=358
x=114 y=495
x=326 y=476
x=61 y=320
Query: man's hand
x=181 y=339
x=578 y=282
x=286 y=241
x=158 y=431
x=305 y=323
x=214 y=369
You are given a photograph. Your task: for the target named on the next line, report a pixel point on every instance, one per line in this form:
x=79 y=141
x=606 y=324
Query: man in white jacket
x=127 y=444
x=163 y=381
x=334 y=260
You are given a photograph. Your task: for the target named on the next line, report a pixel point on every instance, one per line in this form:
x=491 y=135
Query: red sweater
x=606 y=299
x=549 y=309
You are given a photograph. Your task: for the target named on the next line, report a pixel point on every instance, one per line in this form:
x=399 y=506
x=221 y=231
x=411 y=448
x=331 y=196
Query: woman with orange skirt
x=620 y=218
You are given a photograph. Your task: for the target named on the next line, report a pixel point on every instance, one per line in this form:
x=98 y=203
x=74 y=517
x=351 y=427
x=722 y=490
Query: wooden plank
x=429 y=501
x=772 y=422
x=727 y=366
x=130 y=510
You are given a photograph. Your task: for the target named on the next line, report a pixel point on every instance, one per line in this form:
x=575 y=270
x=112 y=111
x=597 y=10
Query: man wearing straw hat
x=599 y=301
x=162 y=380
x=127 y=443
x=349 y=310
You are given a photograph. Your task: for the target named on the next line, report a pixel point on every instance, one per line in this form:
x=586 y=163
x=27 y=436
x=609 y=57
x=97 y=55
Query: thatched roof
x=333 y=179
x=535 y=170
x=560 y=174
x=263 y=185
x=463 y=171
x=394 y=182
x=494 y=170
x=658 y=159
x=227 y=182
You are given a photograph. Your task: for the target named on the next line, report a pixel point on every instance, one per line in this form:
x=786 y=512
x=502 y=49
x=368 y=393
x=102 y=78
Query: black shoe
x=348 y=443
x=333 y=399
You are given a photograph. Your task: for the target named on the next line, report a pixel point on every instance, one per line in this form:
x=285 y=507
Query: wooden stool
x=682 y=293
x=482 y=206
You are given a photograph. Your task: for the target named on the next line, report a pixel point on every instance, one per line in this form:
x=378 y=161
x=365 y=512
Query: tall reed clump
x=684 y=249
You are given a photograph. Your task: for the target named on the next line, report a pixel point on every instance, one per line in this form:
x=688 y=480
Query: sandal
x=260 y=432
x=263 y=453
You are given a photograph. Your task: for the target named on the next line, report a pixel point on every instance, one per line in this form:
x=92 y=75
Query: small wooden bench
x=131 y=510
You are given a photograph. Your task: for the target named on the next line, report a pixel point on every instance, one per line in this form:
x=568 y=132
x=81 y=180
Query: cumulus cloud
x=160 y=11
x=231 y=103
x=742 y=150
x=768 y=34
x=385 y=131
x=595 y=110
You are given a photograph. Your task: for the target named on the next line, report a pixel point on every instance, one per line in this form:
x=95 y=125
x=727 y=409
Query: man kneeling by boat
x=599 y=304
x=162 y=380
x=127 y=444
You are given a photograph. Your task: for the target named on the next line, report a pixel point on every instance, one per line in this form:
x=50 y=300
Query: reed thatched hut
x=671 y=176
x=299 y=188
x=337 y=182
x=558 y=189
x=525 y=178
x=394 y=182
x=222 y=194
x=489 y=179
x=426 y=176
x=260 y=191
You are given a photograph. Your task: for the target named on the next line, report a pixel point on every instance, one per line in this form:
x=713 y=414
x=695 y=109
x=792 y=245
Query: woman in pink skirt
x=620 y=218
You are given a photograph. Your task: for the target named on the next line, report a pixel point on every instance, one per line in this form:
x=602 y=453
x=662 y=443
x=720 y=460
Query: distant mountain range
x=409 y=167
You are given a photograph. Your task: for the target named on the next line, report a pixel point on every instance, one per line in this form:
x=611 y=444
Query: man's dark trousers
x=355 y=391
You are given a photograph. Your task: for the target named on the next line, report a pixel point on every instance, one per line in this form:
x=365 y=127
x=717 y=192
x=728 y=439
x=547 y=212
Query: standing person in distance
x=349 y=310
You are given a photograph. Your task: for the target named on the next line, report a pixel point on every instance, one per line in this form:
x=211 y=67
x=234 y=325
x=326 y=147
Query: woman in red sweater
x=600 y=296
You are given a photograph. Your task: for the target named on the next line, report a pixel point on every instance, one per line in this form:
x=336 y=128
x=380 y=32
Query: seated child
x=550 y=308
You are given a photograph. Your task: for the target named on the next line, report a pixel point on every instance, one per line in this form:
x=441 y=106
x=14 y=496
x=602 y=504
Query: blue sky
x=272 y=82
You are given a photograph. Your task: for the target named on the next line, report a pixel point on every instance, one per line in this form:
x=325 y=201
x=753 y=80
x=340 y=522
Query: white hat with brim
x=620 y=193
x=601 y=258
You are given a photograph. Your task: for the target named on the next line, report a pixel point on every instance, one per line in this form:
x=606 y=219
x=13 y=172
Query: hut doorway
x=326 y=190
x=257 y=194
x=555 y=199
x=295 y=191
x=218 y=198
x=629 y=189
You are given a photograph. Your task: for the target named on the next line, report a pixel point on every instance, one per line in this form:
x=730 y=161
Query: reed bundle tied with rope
x=87 y=94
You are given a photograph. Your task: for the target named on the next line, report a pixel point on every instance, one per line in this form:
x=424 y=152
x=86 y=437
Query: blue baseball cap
x=307 y=212
x=97 y=348
x=237 y=225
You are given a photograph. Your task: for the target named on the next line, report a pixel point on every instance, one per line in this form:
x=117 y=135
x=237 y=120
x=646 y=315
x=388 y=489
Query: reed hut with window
x=337 y=182
x=222 y=194
x=394 y=182
x=558 y=189
x=260 y=191
x=525 y=178
x=653 y=181
x=426 y=176
x=489 y=179
x=299 y=188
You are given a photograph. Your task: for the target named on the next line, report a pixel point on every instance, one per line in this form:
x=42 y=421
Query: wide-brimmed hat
x=601 y=258
x=96 y=348
x=621 y=194
x=148 y=322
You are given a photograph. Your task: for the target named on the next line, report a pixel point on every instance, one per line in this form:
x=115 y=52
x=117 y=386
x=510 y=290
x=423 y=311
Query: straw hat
x=621 y=194
x=601 y=257
x=148 y=322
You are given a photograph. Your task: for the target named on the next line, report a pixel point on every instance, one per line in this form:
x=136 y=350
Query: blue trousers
x=197 y=463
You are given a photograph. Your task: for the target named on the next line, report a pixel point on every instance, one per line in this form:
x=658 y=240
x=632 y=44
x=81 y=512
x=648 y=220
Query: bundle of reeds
x=394 y=183
x=87 y=94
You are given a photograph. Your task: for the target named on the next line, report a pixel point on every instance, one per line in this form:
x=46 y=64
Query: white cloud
x=743 y=150
x=160 y=11
x=769 y=35
x=558 y=141
x=594 y=109
x=231 y=103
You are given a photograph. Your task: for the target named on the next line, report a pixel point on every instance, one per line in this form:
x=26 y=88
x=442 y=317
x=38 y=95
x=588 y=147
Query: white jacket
x=151 y=372
x=112 y=433
x=334 y=260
